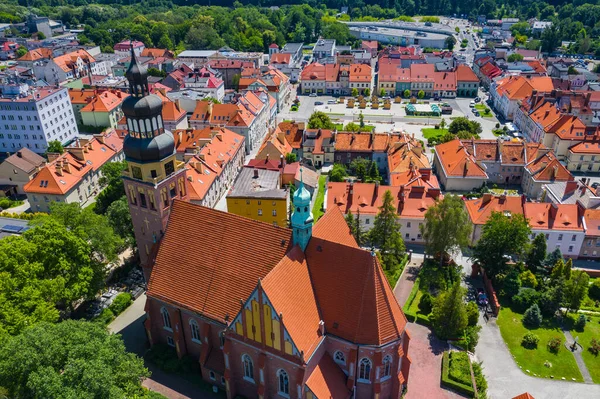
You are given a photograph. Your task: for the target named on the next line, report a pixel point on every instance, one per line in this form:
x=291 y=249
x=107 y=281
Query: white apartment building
x=33 y=120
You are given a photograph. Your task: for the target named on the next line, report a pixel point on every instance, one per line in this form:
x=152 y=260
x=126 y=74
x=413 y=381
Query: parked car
x=476 y=113
x=595 y=185
x=477 y=99
x=312 y=95
x=318 y=102
x=472 y=104
x=331 y=101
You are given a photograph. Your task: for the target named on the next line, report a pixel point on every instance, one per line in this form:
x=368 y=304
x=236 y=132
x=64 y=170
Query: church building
x=267 y=311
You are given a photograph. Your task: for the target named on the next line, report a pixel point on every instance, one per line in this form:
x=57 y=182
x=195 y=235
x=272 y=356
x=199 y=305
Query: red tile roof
x=567 y=127
x=592 y=222
x=355 y=299
x=362 y=142
x=211 y=278
x=289 y=289
x=444 y=81
x=327 y=380
x=105 y=101
x=360 y=73
x=590 y=146
x=66 y=61
x=293 y=133
x=36 y=54
x=457 y=161
x=464 y=73
x=280 y=58
x=546 y=216
x=66 y=172
x=525 y=395
x=331 y=228
x=481 y=209
x=548 y=168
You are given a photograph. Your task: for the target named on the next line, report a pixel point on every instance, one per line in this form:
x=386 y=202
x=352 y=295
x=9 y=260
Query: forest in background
x=252 y=25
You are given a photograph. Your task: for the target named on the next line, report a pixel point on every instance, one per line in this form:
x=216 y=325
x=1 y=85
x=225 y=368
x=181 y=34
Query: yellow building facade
x=268 y=210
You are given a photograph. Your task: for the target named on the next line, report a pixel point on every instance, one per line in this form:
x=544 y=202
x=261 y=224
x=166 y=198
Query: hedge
x=450 y=383
x=412 y=295
x=418 y=318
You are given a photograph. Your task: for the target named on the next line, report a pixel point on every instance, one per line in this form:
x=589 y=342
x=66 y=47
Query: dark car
x=318 y=102
x=477 y=99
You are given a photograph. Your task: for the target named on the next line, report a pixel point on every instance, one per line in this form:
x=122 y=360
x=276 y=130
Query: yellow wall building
x=257 y=194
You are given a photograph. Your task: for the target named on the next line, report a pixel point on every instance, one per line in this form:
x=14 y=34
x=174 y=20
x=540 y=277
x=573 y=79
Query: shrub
x=525 y=299
x=528 y=279
x=472 y=313
x=426 y=303
x=554 y=344
x=533 y=316
x=120 y=303
x=530 y=340
x=580 y=322
x=449 y=382
x=459 y=367
x=594 y=347
x=472 y=337
x=594 y=291
x=105 y=317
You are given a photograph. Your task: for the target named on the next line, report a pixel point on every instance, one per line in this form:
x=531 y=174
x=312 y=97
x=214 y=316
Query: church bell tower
x=154 y=177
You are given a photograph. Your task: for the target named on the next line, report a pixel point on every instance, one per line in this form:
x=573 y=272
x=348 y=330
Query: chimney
x=587 y=99
x=281 y=137
x=199 y=166
x=321 y=328
x=19 y=155
x=99 y=138
x=256 y=173
x=376 y=191
x=281 y=161
x=487 y=197
x=425 y=174
x=66 y=167
x=351 y=189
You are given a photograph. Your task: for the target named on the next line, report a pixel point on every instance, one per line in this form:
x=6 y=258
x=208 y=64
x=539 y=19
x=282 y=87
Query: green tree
x=354 y=92
x=40 y=35
x=447 y=227
x=320 y=120
x=450 y=42
x=512 y=283
x=360 y=168
x=367 y=92
x=406 y=93
x=114 y=188
x=576 y=290
x=572 y=70
x=352 y=127
x=355 y=227
x=156 y=72
x=514 y=57
x=235 y=81
x=449 y=317
x=95 y=229
x=374 y=172
x=290 y=157
x=386 y=235
x=528 y=279
x=361 y=120
x=21 y=51
x=421 y=94
x=464 y=124
x=502 y=236
x=338 y=173
x=119 y=217
x=536 y=253
x=72 y=359
x=55 y=146
x=533 y=316
x=457 y=29
x=382 y=92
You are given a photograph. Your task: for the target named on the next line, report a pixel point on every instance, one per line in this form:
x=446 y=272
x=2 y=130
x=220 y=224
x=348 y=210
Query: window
x=170 y=341
x=274 y=212
x=560 y=237
x=169 y=168
x=166 y=319
x=574 y=237
x=387 y=367
x=284 y=383
x=364 y=373
x=570 y=248
x=248 y=368
x=339 y=357
x=212 y=376
x=260 y=212
x=143 y=203
x=195 y=331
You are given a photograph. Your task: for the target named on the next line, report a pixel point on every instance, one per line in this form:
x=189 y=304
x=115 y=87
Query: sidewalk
x=407 y=279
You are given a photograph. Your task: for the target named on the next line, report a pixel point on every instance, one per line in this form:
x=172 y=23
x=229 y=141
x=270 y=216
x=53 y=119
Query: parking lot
x=394 y=119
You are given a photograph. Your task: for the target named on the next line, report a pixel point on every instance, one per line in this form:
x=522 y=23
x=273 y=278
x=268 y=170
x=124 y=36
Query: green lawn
x=591 y=330
x=481 y=108
x=367 y=128
x=318 y=206
x=433 y=132
x=563 y=363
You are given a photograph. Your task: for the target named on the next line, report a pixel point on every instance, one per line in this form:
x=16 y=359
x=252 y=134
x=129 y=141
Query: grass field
x=481 y=108
x=432 y=132
x=317 y=208
x=591 y=330
x=562 y=363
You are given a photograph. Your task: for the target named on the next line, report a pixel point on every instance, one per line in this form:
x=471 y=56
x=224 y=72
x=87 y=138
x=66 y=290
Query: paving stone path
x=587 y=378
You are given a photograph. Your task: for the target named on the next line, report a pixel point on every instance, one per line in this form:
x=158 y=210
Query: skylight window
x=62 y=182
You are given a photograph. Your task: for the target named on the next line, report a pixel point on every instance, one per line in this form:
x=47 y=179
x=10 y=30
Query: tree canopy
x=72 y=359
x=502 y=236
x=46 y=268
x=114 y=188
x=447 y=227
x=320 y=120
x=386 y=234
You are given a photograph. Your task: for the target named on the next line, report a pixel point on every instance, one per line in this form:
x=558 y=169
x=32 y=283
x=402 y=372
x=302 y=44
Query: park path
x=506 y=380
x=407 y=279
x=587 y=378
